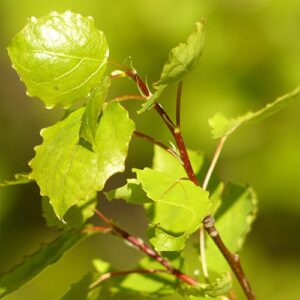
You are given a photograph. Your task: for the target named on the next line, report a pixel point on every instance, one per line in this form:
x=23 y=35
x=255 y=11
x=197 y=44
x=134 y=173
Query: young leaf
x=75 y=217
x=222 y=126
x=179 y=205
x=59 y=57
x=19 y=179
x=149 y=103
x=183 y=58
x=131 y=192
x=233 y=221
x=89 y=122
x=217 y=288
x=32 y=265
x=66 y=171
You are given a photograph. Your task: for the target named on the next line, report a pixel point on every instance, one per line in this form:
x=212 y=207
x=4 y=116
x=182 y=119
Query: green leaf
x=66 y=171
x=19 y=179
x=166 y=163
x=89 y=122
x=183 y=58
x=151 y=100
x=75 y=217
x=32 y=265
x=131 y=192
x=163 y=241
x=217 y=288
x=59 y=57
x=233 y=221
x=179 y=205
x=222 y=126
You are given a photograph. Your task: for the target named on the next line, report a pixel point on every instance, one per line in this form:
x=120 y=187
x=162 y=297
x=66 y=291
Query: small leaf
x=163 y=241
x=19 y=179
x=233 y=221
x=32 y=265
x=183 y=58
x=131 y=192
x=151 y=100
x=59 y=57
x=89 y=122
x=217 y=288
x=179 y=205
x=222 y=126
x=75 y=217
x=66 y=171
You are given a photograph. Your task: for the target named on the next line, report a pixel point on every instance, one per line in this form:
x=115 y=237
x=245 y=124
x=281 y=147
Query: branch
x=128 y=97
x=138 y=243
x=155 y=142
x=232 y=258
x=108 y=275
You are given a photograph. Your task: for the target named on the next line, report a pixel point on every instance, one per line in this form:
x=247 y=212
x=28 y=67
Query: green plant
x=62 y=59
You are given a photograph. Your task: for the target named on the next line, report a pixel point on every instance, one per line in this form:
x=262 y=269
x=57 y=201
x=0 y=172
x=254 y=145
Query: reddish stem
x=138 y=243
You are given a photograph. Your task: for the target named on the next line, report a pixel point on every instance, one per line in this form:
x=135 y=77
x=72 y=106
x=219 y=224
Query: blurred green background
x=252 y=55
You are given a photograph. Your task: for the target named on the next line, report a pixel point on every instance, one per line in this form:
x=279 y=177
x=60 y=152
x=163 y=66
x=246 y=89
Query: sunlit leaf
x=75 y=217
x=59 y=57
x=68 y=172
x=179 y=205
x=183 y=58
x=19 y=179
x=222 y=126
x=233 y=221
x=89 y=122
x=32 y=265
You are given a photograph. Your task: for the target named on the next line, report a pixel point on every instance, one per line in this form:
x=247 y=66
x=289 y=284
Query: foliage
x=62 y=58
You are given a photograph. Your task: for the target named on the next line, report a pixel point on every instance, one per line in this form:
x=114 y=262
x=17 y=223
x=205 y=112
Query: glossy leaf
x=75 y=217
x=66 y=171
x=59 y=57
x=34 y=264
x=89 y=122
x=222 y=126
x=19 y=179
x=179 y=206
x=233 y=221
x=183 y=58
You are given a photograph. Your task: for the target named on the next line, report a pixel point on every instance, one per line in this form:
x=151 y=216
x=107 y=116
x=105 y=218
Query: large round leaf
x=59 y=57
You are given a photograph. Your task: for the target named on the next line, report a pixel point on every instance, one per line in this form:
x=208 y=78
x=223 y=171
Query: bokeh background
x=252 y=55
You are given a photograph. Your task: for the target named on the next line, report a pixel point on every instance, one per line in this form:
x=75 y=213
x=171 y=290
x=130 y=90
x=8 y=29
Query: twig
x=153 y=141
x=232 y=258
x=213 y=162
x=178 y=103
x=138 y=243
x=108 y=275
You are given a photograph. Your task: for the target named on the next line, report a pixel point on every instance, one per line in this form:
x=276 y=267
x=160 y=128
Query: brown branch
x=155 y=142
x=108 y=275
x=232 y=258
x=138 y=243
